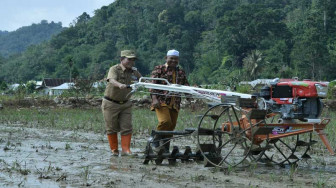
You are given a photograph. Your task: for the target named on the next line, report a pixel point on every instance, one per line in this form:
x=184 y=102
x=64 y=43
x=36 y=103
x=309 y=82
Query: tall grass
x=144 y=120
x=330 y=129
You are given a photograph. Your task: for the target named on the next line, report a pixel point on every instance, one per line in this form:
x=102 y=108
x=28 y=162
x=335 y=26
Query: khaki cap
x=128 y=54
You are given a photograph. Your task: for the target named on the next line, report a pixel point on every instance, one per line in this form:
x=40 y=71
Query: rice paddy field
x=59 y=147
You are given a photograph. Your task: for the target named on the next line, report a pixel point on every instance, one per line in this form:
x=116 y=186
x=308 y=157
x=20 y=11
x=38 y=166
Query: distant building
x=38 y=84
x=98 y=84
x=13 y=86
x=49 y=83
x=58 y=90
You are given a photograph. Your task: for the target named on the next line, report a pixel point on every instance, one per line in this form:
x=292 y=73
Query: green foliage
x=243 y=89
x=101 y=88
x=332 y=90
x=253 y=64
x=18 y=41
x=83 y=86
x=3 y=86
x=218 y=41
x=21 y=91
x=30 y=86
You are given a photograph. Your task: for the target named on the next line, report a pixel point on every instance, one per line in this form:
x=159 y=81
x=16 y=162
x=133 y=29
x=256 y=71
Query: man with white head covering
x=167 y=107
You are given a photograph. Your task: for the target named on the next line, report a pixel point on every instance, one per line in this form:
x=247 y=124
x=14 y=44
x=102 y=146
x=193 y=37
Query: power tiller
x=276 y=125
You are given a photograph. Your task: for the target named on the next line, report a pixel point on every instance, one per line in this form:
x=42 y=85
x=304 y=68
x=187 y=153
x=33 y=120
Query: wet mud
x=31 y=157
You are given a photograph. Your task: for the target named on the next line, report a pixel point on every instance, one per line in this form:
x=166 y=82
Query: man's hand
x=122 y=86
x=155 y=102
x=190 y=100
x=115 y=83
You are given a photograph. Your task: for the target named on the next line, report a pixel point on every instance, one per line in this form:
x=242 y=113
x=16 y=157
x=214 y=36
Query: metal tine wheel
x=289 y=150
x=230 y=138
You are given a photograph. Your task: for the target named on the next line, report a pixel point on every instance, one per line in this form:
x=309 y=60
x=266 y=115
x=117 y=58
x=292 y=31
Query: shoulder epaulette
x=118 y=66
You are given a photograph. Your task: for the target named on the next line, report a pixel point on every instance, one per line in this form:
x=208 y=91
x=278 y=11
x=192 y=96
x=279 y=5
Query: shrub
x=332 y=90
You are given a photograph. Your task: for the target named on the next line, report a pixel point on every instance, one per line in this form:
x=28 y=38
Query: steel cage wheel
x=289 y=150
x=220 y=128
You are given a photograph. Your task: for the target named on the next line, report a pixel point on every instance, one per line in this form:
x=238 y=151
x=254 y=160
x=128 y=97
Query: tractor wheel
x=223 y=139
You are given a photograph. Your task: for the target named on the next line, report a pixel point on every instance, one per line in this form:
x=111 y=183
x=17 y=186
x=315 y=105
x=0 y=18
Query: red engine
x=295 y=99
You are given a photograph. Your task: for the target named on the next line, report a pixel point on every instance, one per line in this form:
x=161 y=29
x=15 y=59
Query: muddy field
x=31 y=157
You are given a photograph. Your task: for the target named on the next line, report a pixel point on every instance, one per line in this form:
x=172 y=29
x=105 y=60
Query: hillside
x=3 y=33
x=17 y=41
x=219 y=41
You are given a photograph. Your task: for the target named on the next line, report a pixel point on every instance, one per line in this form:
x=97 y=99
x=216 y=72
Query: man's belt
x=119 y=102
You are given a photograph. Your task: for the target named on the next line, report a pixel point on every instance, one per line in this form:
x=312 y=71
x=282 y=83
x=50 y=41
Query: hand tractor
x=273 y=126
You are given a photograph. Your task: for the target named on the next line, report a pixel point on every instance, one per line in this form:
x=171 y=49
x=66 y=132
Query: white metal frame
x=212 y=95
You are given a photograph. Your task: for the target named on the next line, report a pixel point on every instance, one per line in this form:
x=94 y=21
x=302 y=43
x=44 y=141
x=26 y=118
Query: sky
x=18 y=13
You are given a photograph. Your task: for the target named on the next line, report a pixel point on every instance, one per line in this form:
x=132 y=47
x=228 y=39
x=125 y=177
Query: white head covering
x=173 y=53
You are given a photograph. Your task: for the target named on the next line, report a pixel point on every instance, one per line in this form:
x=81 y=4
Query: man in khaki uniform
x=116 y=107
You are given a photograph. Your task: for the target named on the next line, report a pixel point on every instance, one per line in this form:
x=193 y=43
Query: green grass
x=69 y=119
x=144 y=120
x=331 y=127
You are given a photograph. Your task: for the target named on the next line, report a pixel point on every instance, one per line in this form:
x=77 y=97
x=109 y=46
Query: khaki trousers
x=118 y=117
x=167 y=118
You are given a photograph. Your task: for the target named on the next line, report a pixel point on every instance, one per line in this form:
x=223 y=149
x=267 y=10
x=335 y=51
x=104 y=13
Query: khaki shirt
x=122 y=75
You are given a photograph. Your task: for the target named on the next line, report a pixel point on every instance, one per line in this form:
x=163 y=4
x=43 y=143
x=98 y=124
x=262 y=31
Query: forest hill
x=220 y=41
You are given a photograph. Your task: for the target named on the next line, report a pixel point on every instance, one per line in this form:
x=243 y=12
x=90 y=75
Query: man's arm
x=112 y=78
x=138 y=74
x=155 y=101
x=115 y=83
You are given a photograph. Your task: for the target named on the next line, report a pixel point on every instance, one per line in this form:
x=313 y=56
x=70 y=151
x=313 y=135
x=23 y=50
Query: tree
x=249 y=27
x=3 y=85
x=18 y=41
x=215 y=39
x=83 y=19
x=69 y=61
x=30 y=86
x=310 y=51
x=253 y=64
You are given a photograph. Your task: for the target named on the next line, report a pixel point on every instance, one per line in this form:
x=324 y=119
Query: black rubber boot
x=166 y=147
x=156 y=141
x=166 y=144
